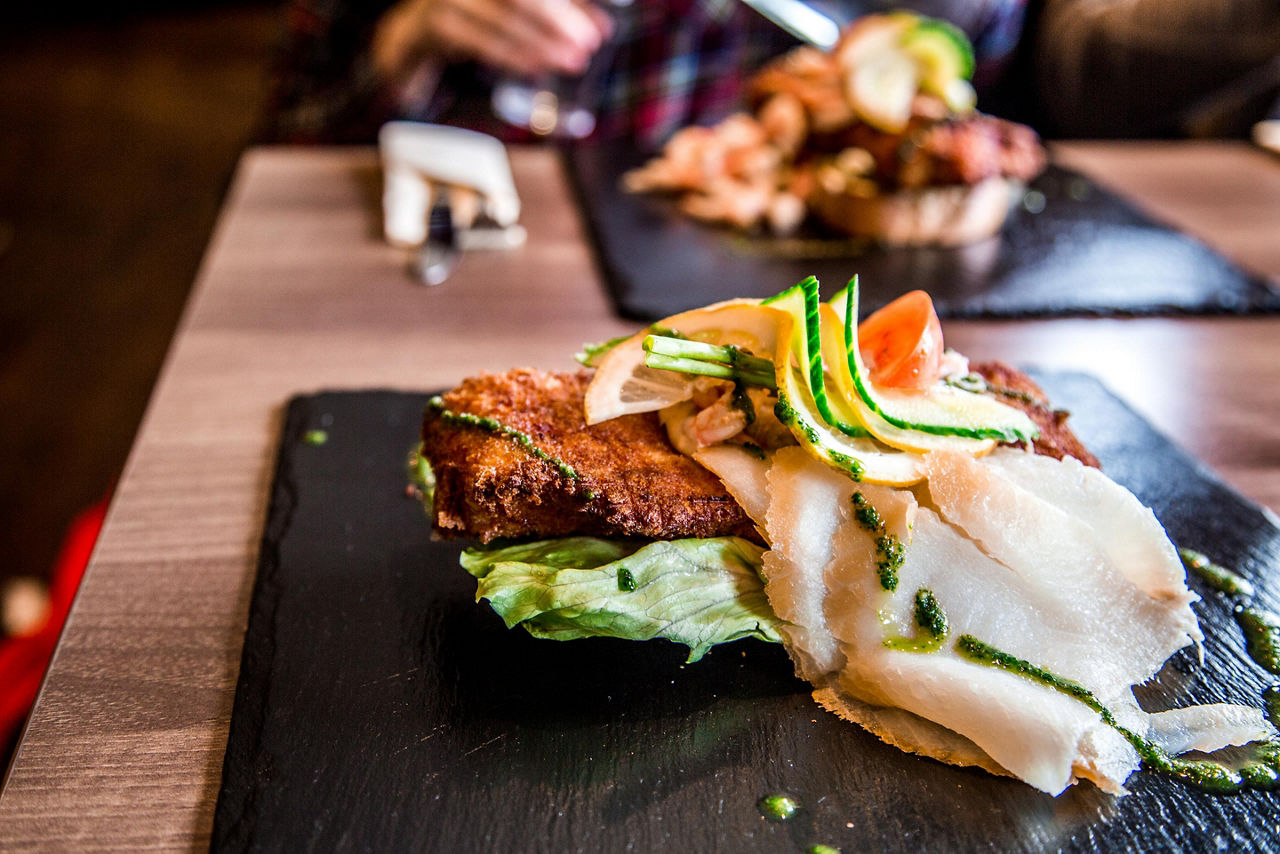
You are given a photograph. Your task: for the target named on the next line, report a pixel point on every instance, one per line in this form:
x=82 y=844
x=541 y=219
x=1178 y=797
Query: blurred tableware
x=558 y=106
x=1266 y=134
x=801 y=20
x=438 y=254
x=419 y=159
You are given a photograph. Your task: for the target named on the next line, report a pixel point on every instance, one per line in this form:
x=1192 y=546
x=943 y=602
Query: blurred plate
x=1069 y=248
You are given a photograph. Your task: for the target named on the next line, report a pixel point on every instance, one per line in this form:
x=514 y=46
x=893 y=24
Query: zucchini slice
x=941 y=411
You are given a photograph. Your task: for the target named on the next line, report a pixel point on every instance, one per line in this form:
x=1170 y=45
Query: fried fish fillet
x=536 y=468
x=514 y=457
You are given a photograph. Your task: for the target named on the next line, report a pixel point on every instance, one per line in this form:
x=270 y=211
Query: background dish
x=1070 y=247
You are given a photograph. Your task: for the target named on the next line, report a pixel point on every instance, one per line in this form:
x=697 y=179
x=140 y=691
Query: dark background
x=120 y=125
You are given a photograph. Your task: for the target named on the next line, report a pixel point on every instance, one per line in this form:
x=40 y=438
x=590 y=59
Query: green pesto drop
x=790 y=418
x=890 y=552
x=519 y=436
x=930 y=616
x=315 y=437
x=1259 y=775
x=849 y=464
x=1262 y=636
x=1271 y=702
x=933 y=624
x=823 y=849
x=778 y=807
x=1218 y=577
x=753 y=449
x=626 y=581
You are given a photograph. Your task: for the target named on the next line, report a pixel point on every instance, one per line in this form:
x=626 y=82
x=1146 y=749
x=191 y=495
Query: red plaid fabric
x=672 y=63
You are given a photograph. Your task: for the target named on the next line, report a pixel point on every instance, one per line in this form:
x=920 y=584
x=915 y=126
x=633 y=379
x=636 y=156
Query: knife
x=801 y=20
x=439 y=252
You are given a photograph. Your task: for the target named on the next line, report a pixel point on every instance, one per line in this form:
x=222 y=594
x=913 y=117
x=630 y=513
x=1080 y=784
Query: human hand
x=526 y=37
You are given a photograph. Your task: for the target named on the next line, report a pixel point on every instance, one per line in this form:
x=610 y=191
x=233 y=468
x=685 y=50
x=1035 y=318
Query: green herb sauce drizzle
x=1218 y=577
x=889 y=549
x=315 y=437
x=1262 y=635
x=789 y=417
x=1203 y=774
x=519 y=436
x=1271 y=702
x=778 y=807
x=626 y=581
x=932 y=621
x=930 y=616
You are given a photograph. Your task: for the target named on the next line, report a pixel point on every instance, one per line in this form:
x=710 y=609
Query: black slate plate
x=1083 y=251
x=380 y=709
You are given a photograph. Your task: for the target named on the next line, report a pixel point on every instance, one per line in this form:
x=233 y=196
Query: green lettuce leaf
x=696 y=592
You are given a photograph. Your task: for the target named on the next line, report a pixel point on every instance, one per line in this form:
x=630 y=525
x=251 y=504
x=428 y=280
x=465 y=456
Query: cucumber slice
x=810 y=347
x=942 y=411
x=902 y=438
x=860 y=456
x=863 y=459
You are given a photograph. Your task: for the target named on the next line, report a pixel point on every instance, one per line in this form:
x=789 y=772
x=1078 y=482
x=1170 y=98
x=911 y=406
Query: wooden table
x=298 y=294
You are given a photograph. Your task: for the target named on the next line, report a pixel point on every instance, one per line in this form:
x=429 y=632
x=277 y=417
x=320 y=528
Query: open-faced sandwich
x=939 y=554
x=878 y=138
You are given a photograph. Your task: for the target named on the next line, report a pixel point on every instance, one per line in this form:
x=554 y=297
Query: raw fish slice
x=1207 y=728
x=1010 y=611
x=807 y=503
x=1126 y=529
x=908 y=732
x=744 y=474
x=1070 y=579
x=1037 y=734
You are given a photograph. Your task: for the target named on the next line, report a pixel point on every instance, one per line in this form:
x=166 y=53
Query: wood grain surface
x=298 y=293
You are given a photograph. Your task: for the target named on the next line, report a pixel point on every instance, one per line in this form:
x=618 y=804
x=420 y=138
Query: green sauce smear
x=889 y=549
x=1203 y=774
x=315 y=437
x=788 y=416
x=521 y=438
x=823 y=849
x=930 y=616
x=1271 y=702
x=933 y=624
x=778 y=807
x=626 y=581
x=1218 y=577
x=1262 y=635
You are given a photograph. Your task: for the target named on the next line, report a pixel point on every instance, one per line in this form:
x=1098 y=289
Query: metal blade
x=802 y=21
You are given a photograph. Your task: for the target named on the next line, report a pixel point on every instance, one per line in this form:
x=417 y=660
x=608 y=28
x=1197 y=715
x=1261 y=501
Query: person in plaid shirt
x=350 y=65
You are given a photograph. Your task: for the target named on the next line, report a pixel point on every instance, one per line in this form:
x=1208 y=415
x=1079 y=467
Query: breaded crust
x=629 y=480
x=1016 y=389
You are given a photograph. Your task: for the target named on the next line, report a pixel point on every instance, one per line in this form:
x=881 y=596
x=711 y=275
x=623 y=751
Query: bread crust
x=951 y=215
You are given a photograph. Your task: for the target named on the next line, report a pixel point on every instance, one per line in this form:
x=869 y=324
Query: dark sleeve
x=325 y=88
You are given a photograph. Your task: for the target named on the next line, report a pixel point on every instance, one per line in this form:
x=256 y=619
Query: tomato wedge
x=902 y=343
